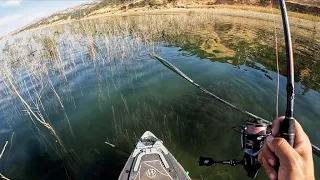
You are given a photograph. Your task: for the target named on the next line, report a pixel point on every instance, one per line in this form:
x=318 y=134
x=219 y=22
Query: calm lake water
x=116 y=99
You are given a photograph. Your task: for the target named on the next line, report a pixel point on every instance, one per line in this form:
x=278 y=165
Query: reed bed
x=38 y=69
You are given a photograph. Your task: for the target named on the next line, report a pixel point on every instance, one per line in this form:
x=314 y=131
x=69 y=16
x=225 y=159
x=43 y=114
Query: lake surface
x=99 y=84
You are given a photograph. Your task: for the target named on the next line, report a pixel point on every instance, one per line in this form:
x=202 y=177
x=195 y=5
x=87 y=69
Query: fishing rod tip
x=152 y=54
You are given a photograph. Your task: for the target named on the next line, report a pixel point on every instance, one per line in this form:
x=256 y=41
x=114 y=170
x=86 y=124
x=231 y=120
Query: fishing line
x=277 y=58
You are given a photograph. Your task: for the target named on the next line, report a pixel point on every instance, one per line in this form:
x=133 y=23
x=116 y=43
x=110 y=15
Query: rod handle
x=288 y=130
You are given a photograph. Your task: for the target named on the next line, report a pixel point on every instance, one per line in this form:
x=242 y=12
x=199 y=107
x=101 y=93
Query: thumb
x=282 y=149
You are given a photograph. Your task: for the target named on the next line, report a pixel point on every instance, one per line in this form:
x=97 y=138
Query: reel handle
x=205 y=161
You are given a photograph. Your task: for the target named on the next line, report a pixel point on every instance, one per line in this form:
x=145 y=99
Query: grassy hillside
x=101 y=7
x=309 y=2
x=74 y=13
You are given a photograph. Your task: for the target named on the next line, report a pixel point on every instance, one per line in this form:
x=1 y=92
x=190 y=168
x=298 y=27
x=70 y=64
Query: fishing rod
x=180 y=73
x=256 y=118
x=287 y=127
x=253 y=134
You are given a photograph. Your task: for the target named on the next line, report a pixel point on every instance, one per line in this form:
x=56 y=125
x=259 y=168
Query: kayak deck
x=151 y=160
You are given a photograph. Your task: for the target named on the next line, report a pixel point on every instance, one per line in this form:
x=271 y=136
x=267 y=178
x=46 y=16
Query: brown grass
x=269 y=10
x=194 y=7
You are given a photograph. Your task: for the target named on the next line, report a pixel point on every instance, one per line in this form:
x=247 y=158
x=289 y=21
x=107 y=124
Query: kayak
x=150 y=159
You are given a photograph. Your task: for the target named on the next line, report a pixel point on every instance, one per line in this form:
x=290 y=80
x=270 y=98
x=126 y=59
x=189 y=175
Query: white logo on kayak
x=151 y=173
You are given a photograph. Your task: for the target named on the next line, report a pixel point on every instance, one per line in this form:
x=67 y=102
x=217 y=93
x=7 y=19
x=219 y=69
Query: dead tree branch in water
x=4 y=148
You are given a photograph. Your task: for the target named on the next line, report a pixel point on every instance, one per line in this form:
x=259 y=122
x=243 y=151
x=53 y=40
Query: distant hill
x=76 y=12
x=103 y=6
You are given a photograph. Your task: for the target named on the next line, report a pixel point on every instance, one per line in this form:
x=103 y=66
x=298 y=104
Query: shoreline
x=220 y=10
x=251 y=12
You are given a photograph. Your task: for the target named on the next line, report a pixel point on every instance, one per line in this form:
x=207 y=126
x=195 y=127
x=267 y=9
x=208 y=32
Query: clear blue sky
x=17 y=13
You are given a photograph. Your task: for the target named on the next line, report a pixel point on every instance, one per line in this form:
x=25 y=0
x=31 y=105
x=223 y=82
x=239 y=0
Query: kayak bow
x=150 y=159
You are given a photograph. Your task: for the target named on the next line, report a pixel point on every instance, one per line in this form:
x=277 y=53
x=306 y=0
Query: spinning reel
x=253 y=135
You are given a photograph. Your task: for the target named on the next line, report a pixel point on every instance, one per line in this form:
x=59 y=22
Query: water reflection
x=93 y=81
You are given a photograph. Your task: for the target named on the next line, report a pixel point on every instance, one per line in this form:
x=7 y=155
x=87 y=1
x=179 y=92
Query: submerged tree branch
x=41 y=120
x=3 y=177
x=4 y=148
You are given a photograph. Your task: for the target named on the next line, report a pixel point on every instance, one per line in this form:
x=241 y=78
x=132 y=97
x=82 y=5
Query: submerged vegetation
x=40 y=70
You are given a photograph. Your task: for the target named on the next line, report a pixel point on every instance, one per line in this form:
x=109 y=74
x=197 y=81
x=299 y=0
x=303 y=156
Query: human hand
x=295 y=163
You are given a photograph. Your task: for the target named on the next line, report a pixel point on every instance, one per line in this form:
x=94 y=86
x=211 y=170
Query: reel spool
x=253 y=135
